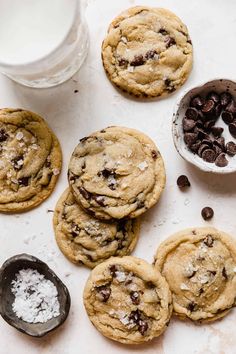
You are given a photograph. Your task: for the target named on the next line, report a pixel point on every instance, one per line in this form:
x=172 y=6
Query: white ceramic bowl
x=217 y=85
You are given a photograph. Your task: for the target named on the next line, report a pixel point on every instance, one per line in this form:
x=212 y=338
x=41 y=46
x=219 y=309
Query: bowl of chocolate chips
x=204 y=126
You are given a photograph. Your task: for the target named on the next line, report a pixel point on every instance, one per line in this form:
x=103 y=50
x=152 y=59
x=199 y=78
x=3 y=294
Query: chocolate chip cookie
x=30 y=160
x=199 y=265
x=127 y=300
x=147 y=52
x=86 y=240
x=117 y=172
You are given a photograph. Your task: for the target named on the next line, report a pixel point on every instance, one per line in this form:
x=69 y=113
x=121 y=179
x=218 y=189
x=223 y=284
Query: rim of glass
x=52 y=53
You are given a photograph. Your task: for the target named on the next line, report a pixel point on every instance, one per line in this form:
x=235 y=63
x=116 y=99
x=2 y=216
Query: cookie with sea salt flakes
x=199 y=265
x=147 y=52
x=86 y=240
x=127 y=300
x=30 y=160
x=116 y=173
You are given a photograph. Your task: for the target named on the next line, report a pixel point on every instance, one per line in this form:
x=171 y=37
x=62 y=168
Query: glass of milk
x=42 y=42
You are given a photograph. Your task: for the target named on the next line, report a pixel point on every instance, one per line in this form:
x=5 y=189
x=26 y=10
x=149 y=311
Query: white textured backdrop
x=212 y=27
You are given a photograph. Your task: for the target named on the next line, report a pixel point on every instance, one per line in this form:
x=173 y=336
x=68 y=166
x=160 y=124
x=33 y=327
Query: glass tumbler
x=43 y=42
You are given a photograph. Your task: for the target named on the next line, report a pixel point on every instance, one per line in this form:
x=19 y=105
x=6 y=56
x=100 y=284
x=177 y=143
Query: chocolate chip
x=224 y=274
x=192 y=113
x=23 y=181
x=213 y=96
x=169 y=42
x=169 y=86
x=193 y=272
x=231 y=148
x=221 y=160
x=202 y=148
x=104 y=292
x=201 y=291
x=192 y=306
x=82 y=140
x=194 y=147
x=138 y=60
x=208 y=241
x=99 y=199
x=197 y=102
x=220 y=142
x=3 y=135
x=150 y=54
x=209 y=124
x=106 y=173
x=113 y=269
x=163 y=32
x=83 y=165
x=232 y=129
x=136 y=317
x=143 y=327
x=47 y=164
x=190 y=138
x=225 y=98
x=16 y=161
x=123 y=62
x=217 y=149
x=208 y=106
x=207 y=140
x=85 y=193
x=121 y=226
x=217 y=131
x=154 y=154
x=212 y=272
x=231 y=107
x=112 y=186
x=199 y=124
x=202 y=134
x=207 y=213
x=188 y=124
x=140 y=204
x=135 y=297
x=209 y=155
x=150 y=285
x=183 y=181
x=227 y=117
x=218 y=110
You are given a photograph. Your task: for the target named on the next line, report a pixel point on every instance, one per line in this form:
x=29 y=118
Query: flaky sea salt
x=120 y=276
x=35 y=297
x=184 y=286
x=56 y=171
x=143 y=165
x=19 y=135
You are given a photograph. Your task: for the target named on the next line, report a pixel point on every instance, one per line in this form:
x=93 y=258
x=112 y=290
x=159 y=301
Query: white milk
x=31 y=29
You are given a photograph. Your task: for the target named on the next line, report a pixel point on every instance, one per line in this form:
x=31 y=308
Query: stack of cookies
x=115 y=175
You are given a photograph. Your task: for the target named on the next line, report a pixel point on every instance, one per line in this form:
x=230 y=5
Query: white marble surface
x=212 y=25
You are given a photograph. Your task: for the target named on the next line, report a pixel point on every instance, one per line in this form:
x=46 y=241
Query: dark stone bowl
x=7 y=273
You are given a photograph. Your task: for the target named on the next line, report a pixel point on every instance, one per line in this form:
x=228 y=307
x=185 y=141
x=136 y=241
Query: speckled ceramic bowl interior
x=7 y=274
x=218 y=85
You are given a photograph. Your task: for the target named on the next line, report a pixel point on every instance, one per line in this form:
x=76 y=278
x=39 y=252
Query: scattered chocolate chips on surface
x=207 y=213
x=183 y=182
x=202 y=136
